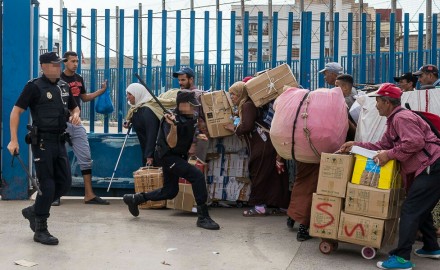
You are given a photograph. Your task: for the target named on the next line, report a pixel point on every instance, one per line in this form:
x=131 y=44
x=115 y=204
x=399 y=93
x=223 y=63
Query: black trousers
x=53 y=172
x=174 y=167
x=422 y=197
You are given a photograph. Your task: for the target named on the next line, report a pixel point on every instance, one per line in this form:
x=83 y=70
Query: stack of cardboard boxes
x=351 y=212
x=228 y=174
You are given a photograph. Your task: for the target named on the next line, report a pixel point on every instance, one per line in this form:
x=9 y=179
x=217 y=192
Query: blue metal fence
x=365 y=67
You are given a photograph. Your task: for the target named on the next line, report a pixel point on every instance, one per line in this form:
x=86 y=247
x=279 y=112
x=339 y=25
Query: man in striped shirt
x=410 y=140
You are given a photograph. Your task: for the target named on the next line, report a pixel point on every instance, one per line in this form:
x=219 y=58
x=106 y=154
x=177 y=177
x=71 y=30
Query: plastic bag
x=104 y=103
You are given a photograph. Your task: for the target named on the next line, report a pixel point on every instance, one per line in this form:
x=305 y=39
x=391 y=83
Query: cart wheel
x=368 y=253
x=239 y=204
x=326 y=247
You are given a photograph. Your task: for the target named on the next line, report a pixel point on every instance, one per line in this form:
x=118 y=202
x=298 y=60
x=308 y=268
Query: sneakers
x=396 y=263
x=427 y=254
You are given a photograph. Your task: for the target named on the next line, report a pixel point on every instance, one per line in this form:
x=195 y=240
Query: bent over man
x=176 y=132
x=49 y=100
x=410 y=140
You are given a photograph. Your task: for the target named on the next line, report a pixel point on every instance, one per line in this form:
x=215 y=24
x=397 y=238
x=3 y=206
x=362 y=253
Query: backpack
x=431 y=119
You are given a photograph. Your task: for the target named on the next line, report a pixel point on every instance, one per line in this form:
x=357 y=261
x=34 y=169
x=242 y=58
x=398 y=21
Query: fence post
x=218 y=75
x=377 y=78
x=232 y=52
x=178 y=49
x=434 y=40
x=206 y=67
x=289 y=40
x=392 y=60
x=246 y=44
x=362 y=68
x=274 y=39
x=121 y=78
x=163 y=66
x=260 y=42
x=336 y=38
x=135 y=45
x=150 y=48
x=107 y=63
x=50 y=30
x=321 y=64
x=92 y=85
x=406 y=44
x=192 y=30
x=420 y=43
x=349 y=67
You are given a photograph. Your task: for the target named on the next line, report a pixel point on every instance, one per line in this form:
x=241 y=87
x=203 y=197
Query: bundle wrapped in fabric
x=321 y=123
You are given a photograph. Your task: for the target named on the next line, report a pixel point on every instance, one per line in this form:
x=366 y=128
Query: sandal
x=253 y=212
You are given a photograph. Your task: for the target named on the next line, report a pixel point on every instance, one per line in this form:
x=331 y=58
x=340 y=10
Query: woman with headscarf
x=270 y=187
x=144 y=120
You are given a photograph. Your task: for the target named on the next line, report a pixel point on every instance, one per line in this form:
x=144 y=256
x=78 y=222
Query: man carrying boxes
x=410 y=140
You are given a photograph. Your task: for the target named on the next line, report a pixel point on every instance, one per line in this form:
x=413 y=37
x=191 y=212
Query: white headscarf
x=141 y=95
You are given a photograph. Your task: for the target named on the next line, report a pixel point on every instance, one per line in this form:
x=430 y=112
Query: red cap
x=388 y=90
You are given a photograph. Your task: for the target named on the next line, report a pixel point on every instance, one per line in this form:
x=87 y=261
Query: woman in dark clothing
x=143 y=119
x=269 y=187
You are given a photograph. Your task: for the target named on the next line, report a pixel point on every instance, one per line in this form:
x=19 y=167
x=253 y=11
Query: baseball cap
x=387 y=90
x=332 y=67
x=51 y=57
x=426 y=69
x=186 y=70
x=406 y=76
x=187 y=96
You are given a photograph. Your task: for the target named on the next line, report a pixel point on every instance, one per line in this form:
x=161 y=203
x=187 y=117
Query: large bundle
x=371 y=126
x=321 y=125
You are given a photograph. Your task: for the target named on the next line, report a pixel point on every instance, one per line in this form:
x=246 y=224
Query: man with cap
x=410 y=140
x=407 y=82
x=331 y=71
x=52 y=105
x=175 y=136
x=428 y=75
x=185 y=76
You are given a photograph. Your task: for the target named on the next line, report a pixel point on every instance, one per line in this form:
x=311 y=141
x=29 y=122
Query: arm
x=247 y=122
x=172 y=135
x=74 y=116
x=14 y=122
x=89 y=97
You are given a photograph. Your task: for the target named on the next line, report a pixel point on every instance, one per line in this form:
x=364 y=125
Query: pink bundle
x=321 y=125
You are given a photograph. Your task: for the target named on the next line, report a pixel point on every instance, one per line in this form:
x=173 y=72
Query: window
x=296 y=26
x=295 y=53
x=384 y=42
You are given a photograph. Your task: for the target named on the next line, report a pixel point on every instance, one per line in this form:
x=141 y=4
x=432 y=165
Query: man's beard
x=183 y=86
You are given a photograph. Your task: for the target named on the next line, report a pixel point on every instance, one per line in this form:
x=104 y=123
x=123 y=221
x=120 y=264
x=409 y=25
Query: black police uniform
x=174 y=165
x=49 y=104
x=174 y=161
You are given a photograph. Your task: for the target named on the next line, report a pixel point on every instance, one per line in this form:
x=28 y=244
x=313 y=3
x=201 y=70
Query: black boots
x=133 y=200
x=42 y=235
x=204 y=220
x=29 y=214
x=303 y=233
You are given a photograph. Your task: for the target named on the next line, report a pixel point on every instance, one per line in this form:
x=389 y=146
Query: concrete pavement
x=108 y=237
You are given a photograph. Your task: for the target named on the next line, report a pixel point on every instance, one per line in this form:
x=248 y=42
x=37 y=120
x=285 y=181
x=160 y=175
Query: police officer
x=176 y=133
x=50 y=101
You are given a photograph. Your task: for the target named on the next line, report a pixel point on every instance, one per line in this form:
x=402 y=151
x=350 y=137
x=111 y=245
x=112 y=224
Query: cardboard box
x=184 y=199
x=147 y=179
x=365 y=231
x=366 y=172
x=324 y=221
x=226 y=188
x=373 y=202
x=217 y=107
x=269 y=85
x=334 y=173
